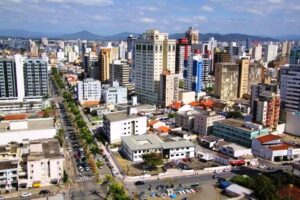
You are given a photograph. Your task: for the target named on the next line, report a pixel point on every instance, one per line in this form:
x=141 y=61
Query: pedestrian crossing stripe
x=85 y=178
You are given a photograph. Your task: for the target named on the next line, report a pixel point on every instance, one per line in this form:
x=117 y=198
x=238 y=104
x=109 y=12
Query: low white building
x=134 y=147
x=114 y=94
x=88 y=90
x=203 y=121
x=44 y=163
x=119 y=124
x=27 y=129
x=234 y=150
x=270 y=147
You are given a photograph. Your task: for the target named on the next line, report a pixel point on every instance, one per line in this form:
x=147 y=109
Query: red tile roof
x=278 y=147
x=164 y=129
x=268 y=138
x=176 y=105
x=15 y=117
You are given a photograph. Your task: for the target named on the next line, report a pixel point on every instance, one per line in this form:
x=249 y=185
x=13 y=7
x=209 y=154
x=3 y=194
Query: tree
x=264 y=188
x=245 y=181
x=172 y=115
x=66 y=177
x=153 y=159
x=236 y=115
x=116 y=191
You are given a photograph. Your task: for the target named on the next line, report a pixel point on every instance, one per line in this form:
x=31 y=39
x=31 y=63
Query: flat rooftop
x=151 y=141
x=239 y=124
x=32 y=124
x=119 y=116
x=44 y=149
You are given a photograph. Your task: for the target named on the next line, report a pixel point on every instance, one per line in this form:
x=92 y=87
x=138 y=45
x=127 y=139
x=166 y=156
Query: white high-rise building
x=88 y=90
x=122 y=50
x=154 y=53
x=114 y=94
x=289 y=88
x=271 y=52
x=257 y=52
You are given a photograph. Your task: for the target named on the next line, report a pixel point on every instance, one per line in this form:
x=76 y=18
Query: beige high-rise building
x=256 y=74
x=154 y=53
x=286 y=48
x=257 y=52
x=192 y=35
x=226 y=81
x=169 y=88
x=243 y=77
x=104 y=61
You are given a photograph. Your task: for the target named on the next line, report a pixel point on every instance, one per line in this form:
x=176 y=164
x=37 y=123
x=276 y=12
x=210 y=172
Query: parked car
x=139 y=183
x=26 y=194
x=44 y=192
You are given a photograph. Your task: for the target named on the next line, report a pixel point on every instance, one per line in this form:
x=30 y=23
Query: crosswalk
x=84 y=179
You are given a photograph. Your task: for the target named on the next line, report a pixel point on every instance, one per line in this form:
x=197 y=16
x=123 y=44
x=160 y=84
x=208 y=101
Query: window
x=177 y=154
x=30 y=177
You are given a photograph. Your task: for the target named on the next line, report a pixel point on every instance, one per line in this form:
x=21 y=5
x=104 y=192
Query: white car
x=26 y=194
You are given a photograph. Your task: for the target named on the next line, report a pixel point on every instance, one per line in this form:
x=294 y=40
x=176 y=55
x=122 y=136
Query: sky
x=105 y=17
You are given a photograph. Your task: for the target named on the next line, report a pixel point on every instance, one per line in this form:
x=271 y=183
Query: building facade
x=185 y=119
x=203 y=121
x=226 y=81
x=88 y=90
x=105 y=58
x=114 y=94
x=134 y=147
x=243 y=77
x=120 y=71
x=154 y=53
x=289 y=88
x=169 y=88
x=238 y=131
x=8 y=79
x=183 y=52
x=295 y=55
x=35 y=78
x=120 y=124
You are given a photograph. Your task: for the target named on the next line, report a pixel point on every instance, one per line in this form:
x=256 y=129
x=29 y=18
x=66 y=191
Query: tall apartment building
x=169 y=88
x=155 y=52
x=88 y=90
x=295 y=55
x=243 y=77
x=120 y=71
x=193 y=73
x=265 y=105
x=35 y=78
x=203 y=121
x=105 y=58
x=192 y=35
x=122 y=50
x=286 y=48
x=257 y=52
x=226 y=81
x=221 y=57
x=271 y=52
x=8 y=79
x=183 y=52
x=289 y=88
x=261 y=90
x=256 y=74
x=91 y=65
x=131 y=55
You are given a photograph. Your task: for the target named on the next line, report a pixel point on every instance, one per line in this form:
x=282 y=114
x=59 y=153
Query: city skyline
x=106 y=17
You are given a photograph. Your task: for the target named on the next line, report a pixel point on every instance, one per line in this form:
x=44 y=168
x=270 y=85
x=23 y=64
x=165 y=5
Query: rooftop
x=151 y=141
x=240 y=124
x=139 y=142
x=32 y=124
x=45 y=149
x=268 y=138
x=118 y=116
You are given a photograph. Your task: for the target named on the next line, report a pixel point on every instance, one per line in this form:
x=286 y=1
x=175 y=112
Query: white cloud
x=207 y=9
x=148 y=8
x=254 y=11
x=98 y=17
x=147 y=20
x=85 y=2
x=275 y=1
x=194 y=19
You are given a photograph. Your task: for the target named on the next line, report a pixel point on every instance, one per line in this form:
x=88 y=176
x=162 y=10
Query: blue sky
x=258 y=17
